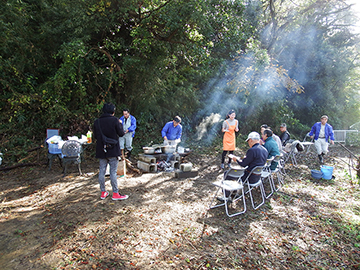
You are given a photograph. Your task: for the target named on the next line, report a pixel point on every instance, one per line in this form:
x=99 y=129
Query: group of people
x=262 y=147
x=114 y=136
x=267 y=144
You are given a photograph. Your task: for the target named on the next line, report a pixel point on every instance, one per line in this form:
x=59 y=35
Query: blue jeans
x=113 y=162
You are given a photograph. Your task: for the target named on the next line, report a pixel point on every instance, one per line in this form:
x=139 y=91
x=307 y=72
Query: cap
x=253 y=135
x=283 y=125
x=177 y=119
x=324 y=116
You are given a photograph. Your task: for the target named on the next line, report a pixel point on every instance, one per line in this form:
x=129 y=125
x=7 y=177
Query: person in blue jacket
x=129 y=124
x=172 y=131
x=322 y=132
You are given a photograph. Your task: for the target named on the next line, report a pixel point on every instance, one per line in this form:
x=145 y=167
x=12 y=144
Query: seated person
x=276 y=137
x=271 y=146
x=285 y=135
x=256 y=155
x=172 y=131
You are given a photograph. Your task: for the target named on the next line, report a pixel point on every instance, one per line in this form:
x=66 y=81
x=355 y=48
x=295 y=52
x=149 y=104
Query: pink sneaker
x=118 y=197
x=104 y=194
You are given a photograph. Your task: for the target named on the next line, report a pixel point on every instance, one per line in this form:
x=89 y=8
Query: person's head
x=266 y=134
x=253 y=138
x=231 y=114
x=263 y=127
x=126 y=113
x=283 y=127
x=109 y=108
x=176 y=120
x=324 y=119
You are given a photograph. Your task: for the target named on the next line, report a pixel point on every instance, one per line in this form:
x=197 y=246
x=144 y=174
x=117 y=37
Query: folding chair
x=267 y=177
x=53 y=150
x=230 y=188
x=307 y=144
x=281 y=163
x=278 y=173
x=292 y=153
x=257 y=172
x=71 y=153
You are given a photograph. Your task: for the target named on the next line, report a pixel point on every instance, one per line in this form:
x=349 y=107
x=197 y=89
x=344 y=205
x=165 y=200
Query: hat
x=253 y=135
x=283 y=125
x=177 y=119
x=324 y=116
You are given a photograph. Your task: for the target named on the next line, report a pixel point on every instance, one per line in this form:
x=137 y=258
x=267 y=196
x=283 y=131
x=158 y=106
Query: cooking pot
x=168 y=149
x=149 y=150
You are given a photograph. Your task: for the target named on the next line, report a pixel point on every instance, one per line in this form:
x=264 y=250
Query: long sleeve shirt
x=171 y=132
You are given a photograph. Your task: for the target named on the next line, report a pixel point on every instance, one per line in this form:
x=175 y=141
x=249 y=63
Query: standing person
x=256 y=155
x=271 y=146
x=172 y=131
x=229 y=127
x=285 y=135
x=322 y=132
x=109 y=126
x=129 y=125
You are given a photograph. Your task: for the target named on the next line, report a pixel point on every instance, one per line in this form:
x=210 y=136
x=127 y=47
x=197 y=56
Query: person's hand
x=234 y=159
x=331 y=141
x=120 y=121
x=165 y=138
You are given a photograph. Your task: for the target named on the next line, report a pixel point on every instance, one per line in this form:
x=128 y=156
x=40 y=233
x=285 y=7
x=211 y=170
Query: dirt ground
x=51 y=222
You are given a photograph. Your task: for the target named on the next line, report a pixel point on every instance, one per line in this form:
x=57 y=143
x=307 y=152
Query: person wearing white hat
x=256 y=155
x=322 y=132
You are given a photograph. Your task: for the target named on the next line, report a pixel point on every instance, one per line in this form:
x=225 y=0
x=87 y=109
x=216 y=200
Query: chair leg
x=213 y=199
x=271 y=184
x=279 y=180
x=79 y=169
x=233 y=202
x=262 y=193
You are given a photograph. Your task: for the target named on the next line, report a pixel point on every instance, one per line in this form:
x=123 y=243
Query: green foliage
x=61 y=60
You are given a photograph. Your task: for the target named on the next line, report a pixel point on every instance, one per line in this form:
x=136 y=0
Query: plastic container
x=54 y=148
x=89 y=137
x=316 y=174
x=327 y=172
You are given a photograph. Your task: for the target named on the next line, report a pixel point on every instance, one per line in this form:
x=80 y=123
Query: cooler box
x=54 y=148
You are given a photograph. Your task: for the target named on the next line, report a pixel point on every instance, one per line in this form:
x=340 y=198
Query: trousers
x=113 y=162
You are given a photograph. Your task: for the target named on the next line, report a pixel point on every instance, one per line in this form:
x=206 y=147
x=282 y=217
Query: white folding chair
x=292 y=153
x=257 y=173
x=308 y=142
x=267 y=177
x=277 y=171
x=230 y=190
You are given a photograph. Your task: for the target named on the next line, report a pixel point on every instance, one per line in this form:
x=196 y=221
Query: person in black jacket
x=109 y=126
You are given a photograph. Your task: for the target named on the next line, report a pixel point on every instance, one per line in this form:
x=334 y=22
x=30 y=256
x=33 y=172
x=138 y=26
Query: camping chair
x=230 y=190
x=278 y=173
x=53 y=150
x=71 y=153
x=291 y=152
x=267 y=177
x=308 y=142
x=257 y=172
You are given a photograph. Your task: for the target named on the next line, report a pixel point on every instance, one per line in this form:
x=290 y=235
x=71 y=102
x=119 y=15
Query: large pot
x=149 y=150
x=168 y=149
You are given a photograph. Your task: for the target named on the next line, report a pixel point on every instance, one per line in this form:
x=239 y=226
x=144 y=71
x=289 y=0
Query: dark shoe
x=222 y=199
x=321 y=159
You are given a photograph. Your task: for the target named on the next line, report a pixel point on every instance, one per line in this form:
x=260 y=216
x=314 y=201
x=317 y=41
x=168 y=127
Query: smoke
x=241 y=86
